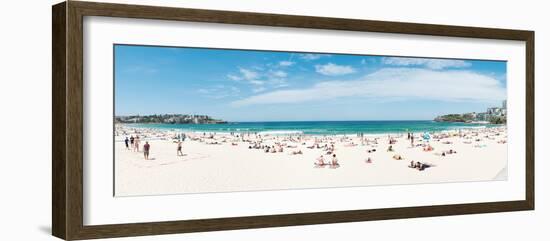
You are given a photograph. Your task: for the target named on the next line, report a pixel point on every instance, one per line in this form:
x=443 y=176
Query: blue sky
x=248 y=85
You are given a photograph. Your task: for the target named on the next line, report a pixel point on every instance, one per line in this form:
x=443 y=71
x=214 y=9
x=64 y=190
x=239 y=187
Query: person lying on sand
x=422 y=166
x=298 y=152
x=371 y=150
x=428 y=148
x=450 y=151
x=418 y=165
x=397 y=157
x=350 y=144
x=320 y=161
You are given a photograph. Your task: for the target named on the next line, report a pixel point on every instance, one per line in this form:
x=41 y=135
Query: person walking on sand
x=126 y=143
x=179 y=152
x=136 y=144
x=146 y=148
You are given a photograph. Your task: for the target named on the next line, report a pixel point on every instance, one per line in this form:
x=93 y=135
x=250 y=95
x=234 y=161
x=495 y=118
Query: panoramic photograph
x=203 y=120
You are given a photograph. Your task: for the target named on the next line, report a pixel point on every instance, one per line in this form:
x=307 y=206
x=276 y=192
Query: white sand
x=225 y=168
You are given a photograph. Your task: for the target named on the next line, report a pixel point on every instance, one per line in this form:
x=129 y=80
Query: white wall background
x=25 y=119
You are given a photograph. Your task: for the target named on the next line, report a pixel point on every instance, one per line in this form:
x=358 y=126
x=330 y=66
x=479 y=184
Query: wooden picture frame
x=67 y=122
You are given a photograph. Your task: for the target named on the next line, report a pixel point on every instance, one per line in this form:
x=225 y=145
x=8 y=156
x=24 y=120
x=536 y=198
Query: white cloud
x=278 y=83
x=312 y=56
x=259 y=89
x=219 y=91
x=203 y=91
x=429 y=63
x=271 y=78
x=399 y=83
x=256 y=82
x=278 y=73
x=248 y=74
x=234 y=77
x=334 y=69
x=286 y=63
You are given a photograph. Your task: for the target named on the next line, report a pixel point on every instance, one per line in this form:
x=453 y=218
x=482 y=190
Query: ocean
x=319 y=127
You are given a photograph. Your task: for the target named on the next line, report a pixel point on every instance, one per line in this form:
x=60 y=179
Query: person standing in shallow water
x=146 y=148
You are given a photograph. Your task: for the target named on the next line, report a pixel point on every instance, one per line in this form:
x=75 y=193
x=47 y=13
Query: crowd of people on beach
x=324 y=145
x=134 y=143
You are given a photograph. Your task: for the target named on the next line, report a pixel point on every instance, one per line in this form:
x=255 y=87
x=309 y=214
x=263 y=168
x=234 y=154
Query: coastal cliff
x=493 y=115
x=169 y=119
x=471 y=118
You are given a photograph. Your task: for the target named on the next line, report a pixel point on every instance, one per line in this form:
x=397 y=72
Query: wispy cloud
x=429 y=63
x=334 y=69
x=286 y=63
x=248 y=74
x=141 y=69
x=219 y=91
x=234 y=77
x=256 y=82
x=261 y=78
x=259 y=89
x=312 y=56
x=395 y=83
x=278 y=73
x=278 y=83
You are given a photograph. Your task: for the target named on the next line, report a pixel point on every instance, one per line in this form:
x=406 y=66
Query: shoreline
x=295 y=132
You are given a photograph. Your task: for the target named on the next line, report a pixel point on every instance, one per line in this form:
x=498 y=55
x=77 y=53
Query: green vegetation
x=454 y=118
x=497 y=119
x=169 y=119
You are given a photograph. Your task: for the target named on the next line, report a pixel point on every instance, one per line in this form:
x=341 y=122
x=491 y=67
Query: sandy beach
x=226 y=162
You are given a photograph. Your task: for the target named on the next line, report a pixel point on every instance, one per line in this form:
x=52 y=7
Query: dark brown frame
x=67 y=121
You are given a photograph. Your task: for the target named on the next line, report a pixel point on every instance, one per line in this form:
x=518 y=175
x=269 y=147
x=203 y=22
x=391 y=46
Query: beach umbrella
x=426 y=136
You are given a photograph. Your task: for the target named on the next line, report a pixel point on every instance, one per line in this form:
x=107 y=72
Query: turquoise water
x=318 y=127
